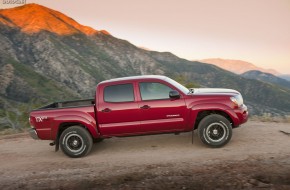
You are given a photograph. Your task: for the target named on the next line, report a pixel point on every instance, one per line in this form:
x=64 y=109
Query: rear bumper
x=33 y=133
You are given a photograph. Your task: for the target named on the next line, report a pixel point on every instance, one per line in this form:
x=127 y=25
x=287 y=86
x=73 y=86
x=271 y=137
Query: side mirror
x=174 y=94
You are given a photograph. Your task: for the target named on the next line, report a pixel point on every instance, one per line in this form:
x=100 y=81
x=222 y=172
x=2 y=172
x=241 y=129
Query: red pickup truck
x=139 y=105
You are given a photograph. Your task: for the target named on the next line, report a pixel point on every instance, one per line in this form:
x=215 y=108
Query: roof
x=136 y=78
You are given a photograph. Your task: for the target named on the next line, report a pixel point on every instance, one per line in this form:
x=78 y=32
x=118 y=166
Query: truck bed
x=67 y=104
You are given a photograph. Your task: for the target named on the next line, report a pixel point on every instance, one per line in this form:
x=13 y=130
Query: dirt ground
x=257 y=157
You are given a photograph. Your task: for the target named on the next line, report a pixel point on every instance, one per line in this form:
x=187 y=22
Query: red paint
x=107 y=119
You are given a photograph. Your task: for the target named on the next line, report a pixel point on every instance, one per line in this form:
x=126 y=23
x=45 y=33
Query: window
x=119 y=93
x=154 y=91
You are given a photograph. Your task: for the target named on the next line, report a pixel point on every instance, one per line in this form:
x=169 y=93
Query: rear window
x=119 y=93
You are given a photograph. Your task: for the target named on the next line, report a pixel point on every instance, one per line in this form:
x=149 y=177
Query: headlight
x=237 y=100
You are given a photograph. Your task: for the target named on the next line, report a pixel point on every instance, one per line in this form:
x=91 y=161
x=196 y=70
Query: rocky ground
x=257 y=157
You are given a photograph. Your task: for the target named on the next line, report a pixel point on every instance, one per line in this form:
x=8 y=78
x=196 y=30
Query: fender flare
x=212 y=107
x=81 y=118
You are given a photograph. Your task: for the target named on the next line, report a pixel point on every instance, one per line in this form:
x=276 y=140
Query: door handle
x=145 y=107
x=106 y=110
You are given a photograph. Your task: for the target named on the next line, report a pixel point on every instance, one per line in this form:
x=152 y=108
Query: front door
x=159 y=113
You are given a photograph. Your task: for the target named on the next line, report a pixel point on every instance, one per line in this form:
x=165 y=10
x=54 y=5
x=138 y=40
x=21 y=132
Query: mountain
x=34 y=18
x=237 y=66
x=266 y=77
x=47 y=57
x=286 y=77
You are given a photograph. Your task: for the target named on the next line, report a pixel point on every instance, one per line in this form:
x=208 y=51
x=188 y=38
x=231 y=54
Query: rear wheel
x=215 y=130
x=76 y=142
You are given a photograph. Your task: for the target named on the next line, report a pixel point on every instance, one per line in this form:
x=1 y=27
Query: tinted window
x=119 y=93
x=154 y=91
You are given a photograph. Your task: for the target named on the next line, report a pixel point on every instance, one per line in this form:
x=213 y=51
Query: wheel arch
x=63 y=126
x=203 y=113
x=81 y=119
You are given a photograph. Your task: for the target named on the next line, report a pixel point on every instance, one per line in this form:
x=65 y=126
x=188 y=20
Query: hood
x=210 y=91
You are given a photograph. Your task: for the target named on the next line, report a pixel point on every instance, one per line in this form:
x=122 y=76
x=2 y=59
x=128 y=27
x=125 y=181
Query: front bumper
x=242 y=114
x=33 y=133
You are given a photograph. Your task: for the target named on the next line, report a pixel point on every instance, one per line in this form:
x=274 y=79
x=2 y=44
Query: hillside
x=286 y=77
x=237 y=66
x=41 y=65
x=266 y=77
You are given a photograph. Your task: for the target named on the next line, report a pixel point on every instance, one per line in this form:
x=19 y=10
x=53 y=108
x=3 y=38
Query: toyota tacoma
x=139 y=105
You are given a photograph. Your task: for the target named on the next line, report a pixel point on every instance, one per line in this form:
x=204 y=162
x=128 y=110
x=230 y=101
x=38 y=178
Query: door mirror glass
x=174 y=94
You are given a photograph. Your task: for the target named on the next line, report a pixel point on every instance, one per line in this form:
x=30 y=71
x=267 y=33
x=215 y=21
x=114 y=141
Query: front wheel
x=215 y=130
x=76 y=142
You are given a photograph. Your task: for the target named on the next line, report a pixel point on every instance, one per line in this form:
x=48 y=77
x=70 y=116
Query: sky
x=257 y=31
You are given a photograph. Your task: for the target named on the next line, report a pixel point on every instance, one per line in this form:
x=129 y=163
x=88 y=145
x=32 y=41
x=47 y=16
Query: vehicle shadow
x=144 y=143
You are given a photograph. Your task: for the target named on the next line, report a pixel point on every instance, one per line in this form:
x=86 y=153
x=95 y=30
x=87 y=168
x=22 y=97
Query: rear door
x=158 y=111
x=118 y=111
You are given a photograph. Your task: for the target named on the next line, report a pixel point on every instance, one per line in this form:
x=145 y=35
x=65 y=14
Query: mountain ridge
x=237 y=66
x=266 y=77
x=286 y=77
x=32 y=18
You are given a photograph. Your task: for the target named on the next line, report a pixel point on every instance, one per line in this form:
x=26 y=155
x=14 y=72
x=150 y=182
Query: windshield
x=177 y=85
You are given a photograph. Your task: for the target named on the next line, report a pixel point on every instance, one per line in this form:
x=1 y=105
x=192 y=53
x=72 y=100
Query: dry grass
x=11 y=131
x=268 y=117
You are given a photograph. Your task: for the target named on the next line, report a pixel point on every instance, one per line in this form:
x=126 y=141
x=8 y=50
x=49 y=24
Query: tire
x=215 y=130
x=76 y=142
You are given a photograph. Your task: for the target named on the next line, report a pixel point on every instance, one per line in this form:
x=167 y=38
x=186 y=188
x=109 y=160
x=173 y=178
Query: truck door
x=158 y=111
x=117 y=111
